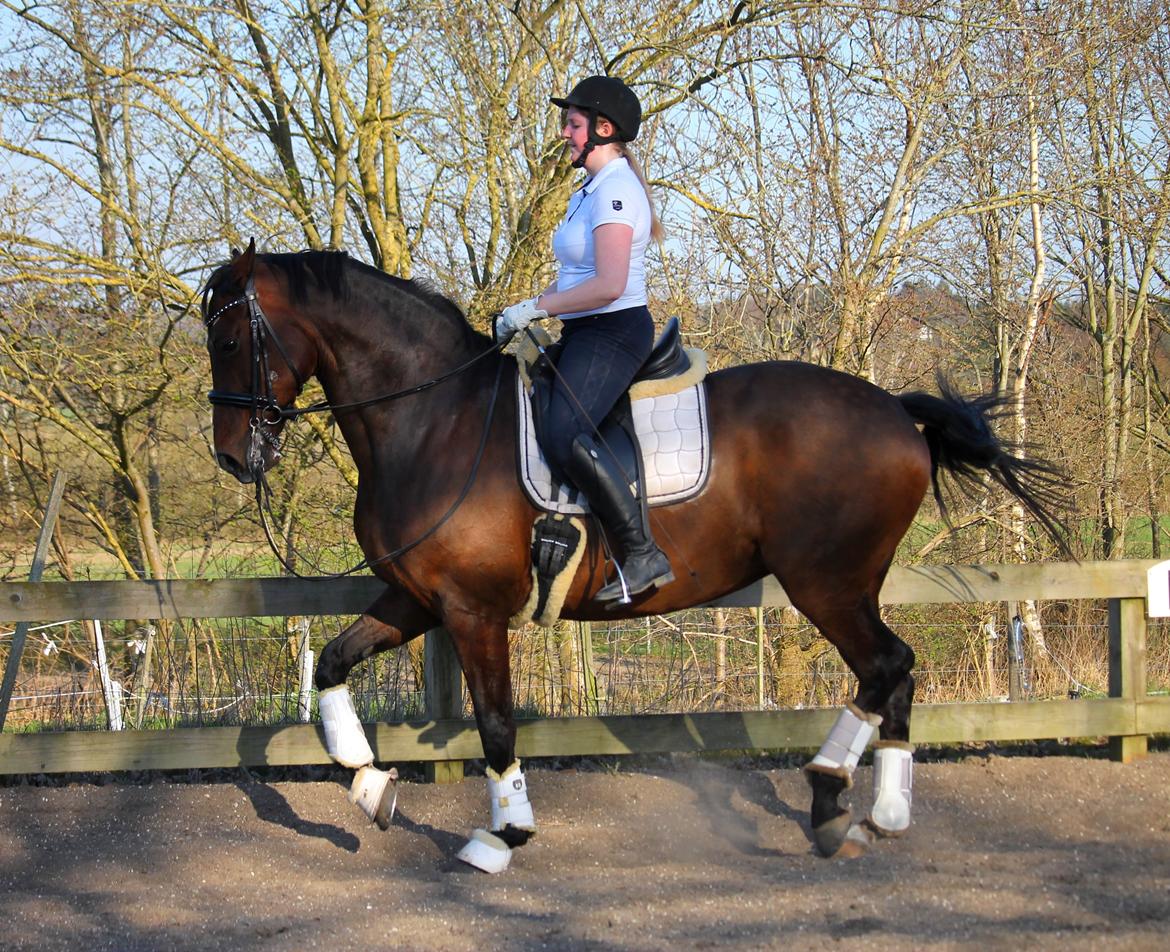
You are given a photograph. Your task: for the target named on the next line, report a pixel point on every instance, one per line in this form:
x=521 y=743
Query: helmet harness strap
x=593 y=140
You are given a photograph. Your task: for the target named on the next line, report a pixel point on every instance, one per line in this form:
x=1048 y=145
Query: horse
x=815 y=476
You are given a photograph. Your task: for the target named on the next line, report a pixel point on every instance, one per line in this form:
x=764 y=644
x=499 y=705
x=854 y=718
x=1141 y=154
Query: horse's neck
x=367 y=356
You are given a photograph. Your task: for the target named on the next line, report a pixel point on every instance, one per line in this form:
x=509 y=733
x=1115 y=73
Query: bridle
x=266 y=412
x=265 y=409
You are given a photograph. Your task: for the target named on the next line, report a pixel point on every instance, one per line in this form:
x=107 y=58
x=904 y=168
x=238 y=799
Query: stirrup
x=619 y=591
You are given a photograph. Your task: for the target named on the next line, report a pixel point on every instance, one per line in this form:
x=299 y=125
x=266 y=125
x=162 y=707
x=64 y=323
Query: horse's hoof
x=375 y=793
x=857 y=843
x=882 y=832
x=839 y=838
x=486 y=851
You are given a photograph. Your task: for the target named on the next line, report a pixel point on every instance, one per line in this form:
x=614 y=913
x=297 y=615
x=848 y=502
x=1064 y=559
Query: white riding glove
x=512 y=320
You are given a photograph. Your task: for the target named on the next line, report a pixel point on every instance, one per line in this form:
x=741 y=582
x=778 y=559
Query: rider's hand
x=512 y=320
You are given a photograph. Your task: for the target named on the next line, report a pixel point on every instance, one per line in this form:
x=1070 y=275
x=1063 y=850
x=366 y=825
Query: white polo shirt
x=614 y=194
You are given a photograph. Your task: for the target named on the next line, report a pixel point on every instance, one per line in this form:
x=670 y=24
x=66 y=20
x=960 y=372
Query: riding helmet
x=607 y=96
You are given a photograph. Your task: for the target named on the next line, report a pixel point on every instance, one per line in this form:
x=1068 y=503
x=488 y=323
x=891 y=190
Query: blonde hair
x=657 y=232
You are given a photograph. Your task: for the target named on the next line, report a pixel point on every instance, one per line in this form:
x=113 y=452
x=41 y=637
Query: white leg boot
x=838 y=757
x=344 y=738
x=893 y=778
x=374 y=791
x=846 y=743
x=508 y=793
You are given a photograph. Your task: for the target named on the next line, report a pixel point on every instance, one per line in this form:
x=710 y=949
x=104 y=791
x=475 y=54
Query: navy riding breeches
x=599 y=357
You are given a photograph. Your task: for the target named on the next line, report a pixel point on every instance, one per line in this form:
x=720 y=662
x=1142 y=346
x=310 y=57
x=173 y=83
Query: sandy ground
x=1006 y=852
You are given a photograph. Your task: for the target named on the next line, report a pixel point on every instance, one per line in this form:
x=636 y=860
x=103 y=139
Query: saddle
x=658 y=432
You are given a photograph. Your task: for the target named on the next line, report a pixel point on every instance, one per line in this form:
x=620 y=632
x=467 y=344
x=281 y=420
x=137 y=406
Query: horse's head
x=255 y=349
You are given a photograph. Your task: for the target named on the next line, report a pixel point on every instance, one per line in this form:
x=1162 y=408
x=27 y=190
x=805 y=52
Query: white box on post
x=1158 y=590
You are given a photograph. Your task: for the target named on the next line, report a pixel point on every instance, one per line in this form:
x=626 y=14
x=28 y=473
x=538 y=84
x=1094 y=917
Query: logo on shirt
x=617 y=206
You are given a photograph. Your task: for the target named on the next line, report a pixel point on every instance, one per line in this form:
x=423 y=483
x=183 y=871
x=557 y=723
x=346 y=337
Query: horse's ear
x=244 y=262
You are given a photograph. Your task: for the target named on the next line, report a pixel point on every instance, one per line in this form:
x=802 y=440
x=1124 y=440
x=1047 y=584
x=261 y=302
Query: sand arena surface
x=1036 y=853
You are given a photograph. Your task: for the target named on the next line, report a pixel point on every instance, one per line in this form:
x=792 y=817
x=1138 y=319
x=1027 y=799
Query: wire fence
x=243 y=671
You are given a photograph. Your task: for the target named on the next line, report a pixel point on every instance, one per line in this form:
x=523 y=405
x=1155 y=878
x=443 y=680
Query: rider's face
x=575 y=131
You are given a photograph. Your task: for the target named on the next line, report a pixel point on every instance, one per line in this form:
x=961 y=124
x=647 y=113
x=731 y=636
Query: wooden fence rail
x=1127 y=717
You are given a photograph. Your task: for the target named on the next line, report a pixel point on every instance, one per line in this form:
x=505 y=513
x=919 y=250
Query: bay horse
x=814 y=477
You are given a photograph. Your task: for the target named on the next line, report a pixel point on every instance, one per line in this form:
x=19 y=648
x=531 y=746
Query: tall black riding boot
x=597 y=474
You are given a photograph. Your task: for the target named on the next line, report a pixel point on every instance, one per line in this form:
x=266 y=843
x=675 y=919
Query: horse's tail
x=959 y=433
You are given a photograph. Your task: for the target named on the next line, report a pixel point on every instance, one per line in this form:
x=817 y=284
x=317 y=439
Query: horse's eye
x=228 y=346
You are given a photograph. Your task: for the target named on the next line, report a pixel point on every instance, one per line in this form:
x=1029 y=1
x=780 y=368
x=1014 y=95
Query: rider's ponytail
x=657 y=232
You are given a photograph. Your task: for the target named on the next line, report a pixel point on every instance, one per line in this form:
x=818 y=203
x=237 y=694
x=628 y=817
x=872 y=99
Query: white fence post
x=305 y=698
x=111 y=690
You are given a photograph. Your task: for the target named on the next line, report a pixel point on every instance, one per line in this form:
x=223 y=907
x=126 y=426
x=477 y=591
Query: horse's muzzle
x=230 y=464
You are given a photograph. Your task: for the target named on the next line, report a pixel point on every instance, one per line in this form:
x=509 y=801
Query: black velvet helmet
x=607 y=96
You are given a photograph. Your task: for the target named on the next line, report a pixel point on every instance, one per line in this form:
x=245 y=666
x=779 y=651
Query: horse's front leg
x=390 y=622
x=482 y=646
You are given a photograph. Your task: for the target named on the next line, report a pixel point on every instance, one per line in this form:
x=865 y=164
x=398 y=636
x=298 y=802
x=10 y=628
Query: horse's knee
x=365 y=637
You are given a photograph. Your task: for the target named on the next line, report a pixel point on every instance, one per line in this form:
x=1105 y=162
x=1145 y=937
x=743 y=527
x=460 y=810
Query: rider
x=600 y=293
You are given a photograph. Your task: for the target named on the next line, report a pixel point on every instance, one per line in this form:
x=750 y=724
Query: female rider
x=600 y=294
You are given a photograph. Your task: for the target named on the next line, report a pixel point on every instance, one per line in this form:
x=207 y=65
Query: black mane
x=331 y=271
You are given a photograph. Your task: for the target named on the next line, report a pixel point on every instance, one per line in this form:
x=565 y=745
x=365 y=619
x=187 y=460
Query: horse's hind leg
x=893 y=763
x=391 y=621
x=482 y=646
x=882 y=663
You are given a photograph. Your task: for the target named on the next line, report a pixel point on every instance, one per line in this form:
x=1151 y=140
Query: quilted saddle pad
x=676 y=451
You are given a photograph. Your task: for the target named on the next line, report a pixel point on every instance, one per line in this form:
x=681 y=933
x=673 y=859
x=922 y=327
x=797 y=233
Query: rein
x=261 y=329
x=264 y=504
x=266 y=411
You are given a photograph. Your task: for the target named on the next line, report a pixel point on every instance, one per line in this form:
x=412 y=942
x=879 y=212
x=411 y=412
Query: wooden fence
x=1127 y=717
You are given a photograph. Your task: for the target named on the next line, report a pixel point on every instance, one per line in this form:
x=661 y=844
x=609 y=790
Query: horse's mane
x=331 y=271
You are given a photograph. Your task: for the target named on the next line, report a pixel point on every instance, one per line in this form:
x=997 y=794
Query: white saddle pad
x=676 y=451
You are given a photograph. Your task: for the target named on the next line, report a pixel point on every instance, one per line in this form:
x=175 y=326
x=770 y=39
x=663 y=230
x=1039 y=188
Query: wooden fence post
x=592 y=696
x=759 y=659
x=52 y=508
x=444 y=696
x=1127 y=669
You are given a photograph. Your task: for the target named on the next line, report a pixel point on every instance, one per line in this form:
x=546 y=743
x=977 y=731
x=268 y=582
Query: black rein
x=262 y=329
